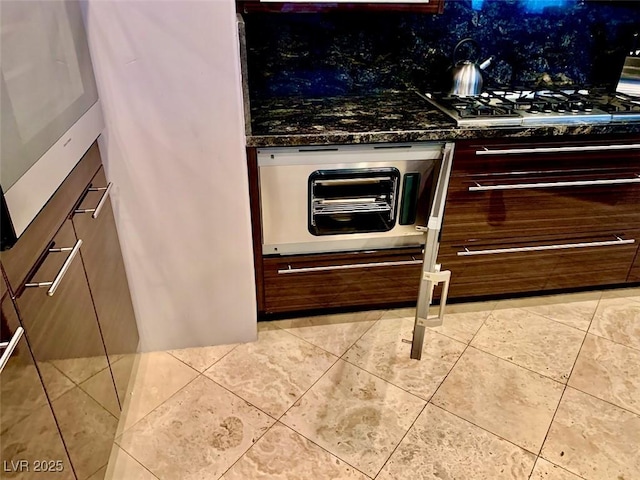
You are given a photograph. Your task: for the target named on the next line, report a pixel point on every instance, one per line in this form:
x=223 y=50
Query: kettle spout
x=486 y=63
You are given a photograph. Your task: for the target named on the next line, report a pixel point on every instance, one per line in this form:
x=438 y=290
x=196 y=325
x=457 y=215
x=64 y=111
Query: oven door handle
x=349 y=266
x=583 y=148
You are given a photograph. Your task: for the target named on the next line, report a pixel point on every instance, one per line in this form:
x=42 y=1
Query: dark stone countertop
x=390 y=117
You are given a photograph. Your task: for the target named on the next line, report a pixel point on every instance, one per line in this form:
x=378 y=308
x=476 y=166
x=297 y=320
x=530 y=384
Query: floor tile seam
x=304 y=340
x=442 y=407
x=207 y=368
x=97 y=401
x=635 y=414
x=157 y=406
x=637 y=349
x=279 y=419
x=524 y=368
x=68 y=377
x=324 y=349
x=386 y=380
x=250 y=447
x=560 y=322
x=432 y=329
x=560 y=467
x=319 y=446
x=400 y=441
x=135 y=460
x=566 y=385
x=275 y=419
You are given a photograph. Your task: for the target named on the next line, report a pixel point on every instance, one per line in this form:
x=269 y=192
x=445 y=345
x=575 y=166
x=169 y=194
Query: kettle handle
x=460 y=43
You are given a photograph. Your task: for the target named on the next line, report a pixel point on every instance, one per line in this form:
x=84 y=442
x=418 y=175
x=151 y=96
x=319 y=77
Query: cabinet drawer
x=306 y=282
x=542 y=191
x=480 y=268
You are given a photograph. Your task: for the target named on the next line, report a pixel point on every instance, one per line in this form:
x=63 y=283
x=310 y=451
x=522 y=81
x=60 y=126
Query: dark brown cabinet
x=534 y=216
x=63 y=332
x=66 y=276
x=307 y=282
x=31 y=446
x=94 y=222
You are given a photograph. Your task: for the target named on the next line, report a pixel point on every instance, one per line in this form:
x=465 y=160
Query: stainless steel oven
x=347 y=197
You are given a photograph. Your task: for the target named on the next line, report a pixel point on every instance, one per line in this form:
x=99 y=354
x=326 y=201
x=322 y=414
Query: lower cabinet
x=31 y=446
x=66 y=278
x=321 y=281
x=62 y=329
x=94 y=222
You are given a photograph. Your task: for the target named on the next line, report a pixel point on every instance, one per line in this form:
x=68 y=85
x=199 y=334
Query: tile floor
x=538 y=388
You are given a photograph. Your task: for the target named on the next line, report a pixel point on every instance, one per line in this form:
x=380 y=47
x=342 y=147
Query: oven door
x=345 y=198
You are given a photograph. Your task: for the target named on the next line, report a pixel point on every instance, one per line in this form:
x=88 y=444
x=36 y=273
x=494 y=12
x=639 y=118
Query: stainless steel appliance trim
x=103 y=200
x=587 y=148
x=431 y=233
x=53 y=286
x=349 y=266
x=468 y=253
x=576 y=183
x=10 y=347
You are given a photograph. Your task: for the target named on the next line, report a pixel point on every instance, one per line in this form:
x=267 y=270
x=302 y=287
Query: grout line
x=158 y=406
x=207 y=368
x=133 y=458
x=635 y=414
x=559 y=466
x=482 y=428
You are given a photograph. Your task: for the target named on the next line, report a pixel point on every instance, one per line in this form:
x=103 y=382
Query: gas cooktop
x=538 y=107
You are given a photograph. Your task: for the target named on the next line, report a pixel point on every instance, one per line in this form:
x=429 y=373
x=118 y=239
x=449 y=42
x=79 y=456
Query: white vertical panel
x=168 y=74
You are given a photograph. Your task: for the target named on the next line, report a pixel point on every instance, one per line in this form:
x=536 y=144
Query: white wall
x=168 y=77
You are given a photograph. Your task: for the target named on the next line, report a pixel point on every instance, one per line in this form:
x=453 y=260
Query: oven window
x=346 y=201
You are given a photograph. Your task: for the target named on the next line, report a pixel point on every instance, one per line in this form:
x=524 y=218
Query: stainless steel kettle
x=466 y=74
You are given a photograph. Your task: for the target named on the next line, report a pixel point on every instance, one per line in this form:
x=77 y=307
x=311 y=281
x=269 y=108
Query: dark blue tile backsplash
x=357 y=53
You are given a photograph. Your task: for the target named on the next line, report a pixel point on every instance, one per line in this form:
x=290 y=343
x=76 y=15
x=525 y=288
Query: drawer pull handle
x=103 y=199
x=63 y=270
x=619 y=241
x=587 y=148
x=9 y=347
x=348 y=266
x=577 y=183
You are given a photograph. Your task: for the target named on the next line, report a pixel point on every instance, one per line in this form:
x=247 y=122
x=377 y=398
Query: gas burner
x=548 y=106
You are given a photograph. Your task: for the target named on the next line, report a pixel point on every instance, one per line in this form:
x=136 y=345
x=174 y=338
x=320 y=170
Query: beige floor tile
x=618 y=319
x=531 y=341
x=101 y=474
x=87 y=430
x=273 y=372
x=545 y=470
x=574 y=309
x=461 y=320
x=354 y=415
x=102 y=389
x=80 y=369
x=443 y=446
x=282 y=454
x=630 y=293
x=334 y=333
x=197 y=434
x=501 y=397
x=609 y=371
x=594 y=439
x=202 y=358
x=123 y=371
x=21 y=391
x=381 y=351
x=156 y=377
x=123 y=467
x=35 y=437
x=56 y=382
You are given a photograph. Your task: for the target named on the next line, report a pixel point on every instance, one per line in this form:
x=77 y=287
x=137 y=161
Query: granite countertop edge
x=388 y=117
x=437 y=134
